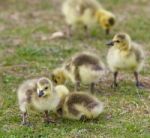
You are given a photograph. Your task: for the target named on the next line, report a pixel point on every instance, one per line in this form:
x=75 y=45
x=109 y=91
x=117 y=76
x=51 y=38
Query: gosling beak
x=41 y=93
x=111 y=43
x=107 y=31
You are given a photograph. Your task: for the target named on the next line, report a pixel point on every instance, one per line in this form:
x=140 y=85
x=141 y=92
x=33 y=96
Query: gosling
x=81 y=106
x=125 y=55
x=87 y=13
x=39 y=94
x=83 y=67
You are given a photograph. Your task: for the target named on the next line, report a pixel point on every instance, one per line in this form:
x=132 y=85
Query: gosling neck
x=97 y=15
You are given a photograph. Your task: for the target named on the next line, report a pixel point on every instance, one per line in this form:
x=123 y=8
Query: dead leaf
x=59 y=34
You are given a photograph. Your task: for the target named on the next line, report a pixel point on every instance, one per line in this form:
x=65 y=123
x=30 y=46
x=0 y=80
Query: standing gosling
x=87 y=13
x=80 y=106
x=40 y=95
x=83 y=67
x=125 y=55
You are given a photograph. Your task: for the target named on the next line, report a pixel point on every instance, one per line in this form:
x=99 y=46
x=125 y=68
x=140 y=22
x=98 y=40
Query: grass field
x=26 y=52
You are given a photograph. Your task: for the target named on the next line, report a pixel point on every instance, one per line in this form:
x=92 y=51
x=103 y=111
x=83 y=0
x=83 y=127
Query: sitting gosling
x=83 y=67
x=80 y=106
x=87 y=13
x=40 y=95
x=125 y=55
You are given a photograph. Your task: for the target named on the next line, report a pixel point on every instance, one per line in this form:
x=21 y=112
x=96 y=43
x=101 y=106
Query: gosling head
x=58 y=76
x=44 y=87
x=121 y=40
x=106 y=20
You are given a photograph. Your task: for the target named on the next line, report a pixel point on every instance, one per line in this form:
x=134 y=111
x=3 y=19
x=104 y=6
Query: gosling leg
x=107 y=31
x=92 y=87
x=47 y=119
x=69 y=31
x=77 y=86
x=86 y=31
x=115 y=84
x=24 y=119
x=138 y=84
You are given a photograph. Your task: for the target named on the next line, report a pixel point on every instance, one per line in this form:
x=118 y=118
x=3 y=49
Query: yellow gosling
x=40 y=95
x=125 y=55
x=87 y=13
x=81 y=106
x=83 y=68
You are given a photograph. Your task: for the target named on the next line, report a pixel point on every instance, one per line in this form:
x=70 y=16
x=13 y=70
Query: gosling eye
x=46 y=88
x=117 y=41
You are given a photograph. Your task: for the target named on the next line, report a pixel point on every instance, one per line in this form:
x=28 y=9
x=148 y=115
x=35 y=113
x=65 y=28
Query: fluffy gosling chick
x=87 y=13
x=40 y=95
x=83 y=67
x=125 y=55
x=105 y=19
x=79 y=106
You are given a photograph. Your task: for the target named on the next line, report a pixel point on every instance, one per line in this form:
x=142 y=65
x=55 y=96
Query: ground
x=27 y=52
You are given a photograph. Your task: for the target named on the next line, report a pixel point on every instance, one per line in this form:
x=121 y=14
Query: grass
x=25 y=52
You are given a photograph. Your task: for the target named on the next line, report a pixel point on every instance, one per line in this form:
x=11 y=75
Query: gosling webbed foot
x=83 y=118
x=49 y=121
x=114 y=85
x=28 y=124
x=139 y=85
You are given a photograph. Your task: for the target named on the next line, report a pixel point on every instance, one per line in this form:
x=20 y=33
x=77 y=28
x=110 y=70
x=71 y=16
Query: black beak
x=41 y=93
x=107 y=31
x=111 y=43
